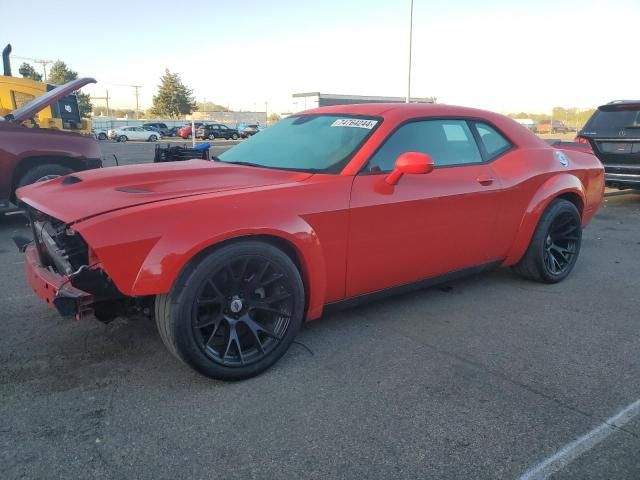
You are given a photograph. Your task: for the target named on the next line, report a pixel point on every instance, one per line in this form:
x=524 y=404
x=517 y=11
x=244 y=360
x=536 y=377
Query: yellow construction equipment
x=16 y=92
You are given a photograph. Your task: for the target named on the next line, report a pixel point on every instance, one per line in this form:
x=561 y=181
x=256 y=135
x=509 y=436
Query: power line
x=137 y=94
x=40 y=61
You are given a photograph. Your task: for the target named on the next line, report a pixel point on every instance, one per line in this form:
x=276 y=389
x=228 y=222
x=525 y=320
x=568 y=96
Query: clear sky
x=503 y=55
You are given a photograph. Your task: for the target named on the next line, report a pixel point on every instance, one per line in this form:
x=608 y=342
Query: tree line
x=570 y=116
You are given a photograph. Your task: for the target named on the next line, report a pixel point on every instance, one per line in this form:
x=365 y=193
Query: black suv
x=217 y=130
x=161 y=127
x=613 y=131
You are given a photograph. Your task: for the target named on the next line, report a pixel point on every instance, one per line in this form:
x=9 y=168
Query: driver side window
x=448 y=142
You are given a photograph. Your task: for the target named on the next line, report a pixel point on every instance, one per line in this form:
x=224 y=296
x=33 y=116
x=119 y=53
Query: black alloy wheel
x=560 y=246
x=242 y=311
x=555 y=244
x=234 y=312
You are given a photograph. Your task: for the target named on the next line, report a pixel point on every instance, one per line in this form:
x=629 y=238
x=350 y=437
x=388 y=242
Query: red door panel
x=424 y=226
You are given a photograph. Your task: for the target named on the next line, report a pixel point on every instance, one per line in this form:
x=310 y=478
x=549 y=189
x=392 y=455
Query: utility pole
x=39 y=61
x=266 y=105
x=410 y=41
x=136 y=87
x=106 y=99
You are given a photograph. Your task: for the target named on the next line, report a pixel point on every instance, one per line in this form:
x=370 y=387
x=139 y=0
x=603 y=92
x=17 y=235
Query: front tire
x=234 y=136
x=212 y=136
x=555 y=244
x=234 y=312
x=102 y=136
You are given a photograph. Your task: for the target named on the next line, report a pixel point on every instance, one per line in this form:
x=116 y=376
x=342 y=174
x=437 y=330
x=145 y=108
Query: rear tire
x=234 y=136
x=555 y=244
x=41 y=173
x=153 y=138
x=234 y=312
x=122 y=138
x=102 y=136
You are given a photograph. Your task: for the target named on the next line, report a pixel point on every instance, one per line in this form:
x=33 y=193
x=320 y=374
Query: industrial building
x=304 y=101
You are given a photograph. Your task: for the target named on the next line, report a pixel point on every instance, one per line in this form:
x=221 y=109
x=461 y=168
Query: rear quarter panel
x=531 y=180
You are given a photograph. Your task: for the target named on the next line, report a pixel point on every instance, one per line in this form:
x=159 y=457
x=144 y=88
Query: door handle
x=485 y=180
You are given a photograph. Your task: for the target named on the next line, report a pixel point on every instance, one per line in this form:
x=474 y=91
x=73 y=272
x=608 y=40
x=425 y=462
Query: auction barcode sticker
x=355 y=123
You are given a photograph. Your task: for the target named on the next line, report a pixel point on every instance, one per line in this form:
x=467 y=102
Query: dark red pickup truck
x=31 y=154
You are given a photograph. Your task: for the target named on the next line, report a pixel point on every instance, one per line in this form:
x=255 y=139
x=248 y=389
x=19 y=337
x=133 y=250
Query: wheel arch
x=27 y=163
x=277 y=241
x=565 y=186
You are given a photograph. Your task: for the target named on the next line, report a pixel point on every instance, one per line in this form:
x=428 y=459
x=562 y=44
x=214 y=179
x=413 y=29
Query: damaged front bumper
x=55 y=289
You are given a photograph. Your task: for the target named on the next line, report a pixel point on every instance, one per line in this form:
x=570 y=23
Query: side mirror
x=410 y=162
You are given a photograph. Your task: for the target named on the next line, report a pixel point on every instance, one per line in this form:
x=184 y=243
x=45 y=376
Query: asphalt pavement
x=482 y=378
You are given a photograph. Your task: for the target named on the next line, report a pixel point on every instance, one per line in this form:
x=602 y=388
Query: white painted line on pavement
x=583 y=444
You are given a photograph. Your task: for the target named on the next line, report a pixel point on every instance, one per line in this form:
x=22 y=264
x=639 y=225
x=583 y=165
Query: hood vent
x=132 y=190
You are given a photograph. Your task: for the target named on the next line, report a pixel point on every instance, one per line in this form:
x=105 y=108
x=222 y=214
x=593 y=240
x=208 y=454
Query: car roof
x=619 y=105
x=397 y=113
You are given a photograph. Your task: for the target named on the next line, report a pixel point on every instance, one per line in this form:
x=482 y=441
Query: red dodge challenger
x=330 y=207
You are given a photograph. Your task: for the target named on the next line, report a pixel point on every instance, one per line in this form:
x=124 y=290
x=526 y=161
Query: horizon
x=489 y=56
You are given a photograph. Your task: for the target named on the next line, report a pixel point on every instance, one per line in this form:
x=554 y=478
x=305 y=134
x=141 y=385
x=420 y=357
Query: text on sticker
x=355 y=122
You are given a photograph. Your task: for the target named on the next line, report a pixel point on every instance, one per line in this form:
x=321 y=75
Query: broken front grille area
x=60 y=248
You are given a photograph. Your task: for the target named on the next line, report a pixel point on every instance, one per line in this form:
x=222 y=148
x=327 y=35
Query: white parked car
x=124 y=134
x=100 y=133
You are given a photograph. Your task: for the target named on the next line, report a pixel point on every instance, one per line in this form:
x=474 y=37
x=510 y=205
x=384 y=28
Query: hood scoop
x=70 y=180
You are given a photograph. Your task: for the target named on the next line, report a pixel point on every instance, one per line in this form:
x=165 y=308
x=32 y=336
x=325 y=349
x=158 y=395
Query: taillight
x=582 y=140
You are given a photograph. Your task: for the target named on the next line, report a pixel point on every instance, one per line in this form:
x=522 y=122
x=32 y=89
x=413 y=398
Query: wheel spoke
x=210 y=320
x=214 y=331
x=267 y=308
x=564 y=232
x=274 y=278
x=215 y=288
x=232 y=338
x=276 y=298
x=209 y=301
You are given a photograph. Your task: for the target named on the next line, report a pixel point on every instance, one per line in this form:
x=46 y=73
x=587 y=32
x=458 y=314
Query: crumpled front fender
x=143 y=250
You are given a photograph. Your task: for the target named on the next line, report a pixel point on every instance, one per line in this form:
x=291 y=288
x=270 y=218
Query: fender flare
x=156 y=275
x=556 y=186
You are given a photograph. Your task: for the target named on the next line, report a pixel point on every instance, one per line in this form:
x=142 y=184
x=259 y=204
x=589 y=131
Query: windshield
x=319 y=143
x=613 y=120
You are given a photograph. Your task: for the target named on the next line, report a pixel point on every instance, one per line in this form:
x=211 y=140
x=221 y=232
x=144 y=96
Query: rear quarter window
x=494 y=142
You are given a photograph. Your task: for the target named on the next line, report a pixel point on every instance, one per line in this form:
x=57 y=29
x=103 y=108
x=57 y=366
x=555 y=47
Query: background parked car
x=613 y=131
x=124 y=134
x=217 y=130
x=100 y=133
x=160 y=127
x=173 y=132
x=544 y=126
x=185 y=132
x=527 y=122
x=249 y=130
